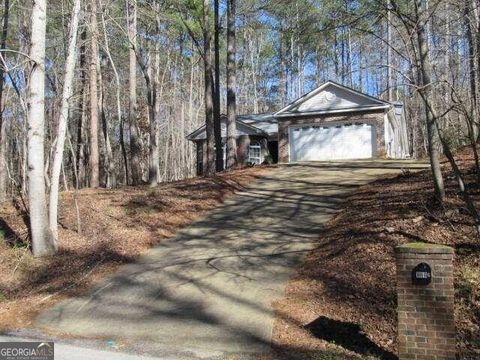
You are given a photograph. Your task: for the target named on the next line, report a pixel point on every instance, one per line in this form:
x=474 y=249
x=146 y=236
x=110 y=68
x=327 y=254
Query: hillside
x=344 y=296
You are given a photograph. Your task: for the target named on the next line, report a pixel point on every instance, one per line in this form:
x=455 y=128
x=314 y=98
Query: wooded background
x=126 y=81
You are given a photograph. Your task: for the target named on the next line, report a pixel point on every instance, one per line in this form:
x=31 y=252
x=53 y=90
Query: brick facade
x=376 y=118
x=426 y=326
x=243 y=143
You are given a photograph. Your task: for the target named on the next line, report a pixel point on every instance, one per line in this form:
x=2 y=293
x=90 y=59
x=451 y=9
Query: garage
x=332 y=142
x=335 y=122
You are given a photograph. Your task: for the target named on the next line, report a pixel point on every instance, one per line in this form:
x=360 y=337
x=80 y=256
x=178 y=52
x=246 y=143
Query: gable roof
x=332 y=97
x=242 y=129
x=266 y=122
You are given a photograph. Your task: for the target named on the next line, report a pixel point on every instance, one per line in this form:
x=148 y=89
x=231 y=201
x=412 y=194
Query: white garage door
x=334 y=142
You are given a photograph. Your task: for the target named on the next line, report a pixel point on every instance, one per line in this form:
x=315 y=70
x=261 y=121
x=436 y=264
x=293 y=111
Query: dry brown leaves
x=117 y=226
x=343 y=298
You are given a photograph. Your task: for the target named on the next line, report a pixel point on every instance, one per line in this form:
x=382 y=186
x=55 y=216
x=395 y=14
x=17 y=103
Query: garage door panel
x=334 y=142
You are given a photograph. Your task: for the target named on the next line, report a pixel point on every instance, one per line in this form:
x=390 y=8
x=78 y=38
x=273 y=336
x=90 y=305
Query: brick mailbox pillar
x=426 y=327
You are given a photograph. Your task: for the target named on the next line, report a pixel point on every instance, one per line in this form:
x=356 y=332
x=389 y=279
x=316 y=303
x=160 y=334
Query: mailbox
x=422 y=274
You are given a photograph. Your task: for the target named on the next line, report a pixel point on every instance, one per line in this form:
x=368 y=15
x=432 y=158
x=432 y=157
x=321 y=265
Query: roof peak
x=340 y=98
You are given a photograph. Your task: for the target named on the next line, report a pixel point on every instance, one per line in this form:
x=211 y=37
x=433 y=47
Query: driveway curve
x=208 y=291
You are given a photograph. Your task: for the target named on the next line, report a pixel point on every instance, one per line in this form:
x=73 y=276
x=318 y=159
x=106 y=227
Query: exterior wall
x=375 y=118
x=201 y=156
x=243 y=142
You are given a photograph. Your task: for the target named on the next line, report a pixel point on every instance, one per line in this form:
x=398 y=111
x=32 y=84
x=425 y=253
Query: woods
x=148 y=73
x=166 y=166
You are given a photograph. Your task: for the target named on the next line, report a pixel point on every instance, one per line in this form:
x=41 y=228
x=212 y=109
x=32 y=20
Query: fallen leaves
x=118 y=225
x=349 y=277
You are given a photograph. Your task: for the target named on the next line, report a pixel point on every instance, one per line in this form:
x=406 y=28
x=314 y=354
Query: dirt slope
x=343 y=298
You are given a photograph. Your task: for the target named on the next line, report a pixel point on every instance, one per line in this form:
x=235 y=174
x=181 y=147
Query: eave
x=328 y=112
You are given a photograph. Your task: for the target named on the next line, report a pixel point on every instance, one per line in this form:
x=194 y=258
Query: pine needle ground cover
x=343 y=299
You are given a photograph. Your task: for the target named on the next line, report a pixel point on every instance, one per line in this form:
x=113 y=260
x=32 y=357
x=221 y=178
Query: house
x=332 y=122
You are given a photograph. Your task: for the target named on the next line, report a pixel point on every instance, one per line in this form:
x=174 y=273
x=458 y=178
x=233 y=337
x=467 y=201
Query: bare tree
x=42 y=243
x=216 y=92
x=390 y=88
x=425 y=91
x=82 y=119
x=150 y=74
x=209 y=121
x=3 y=125
x=94 y=153
x=118 y=102
x=63 y=120
x=231 y=86
x=132 y=104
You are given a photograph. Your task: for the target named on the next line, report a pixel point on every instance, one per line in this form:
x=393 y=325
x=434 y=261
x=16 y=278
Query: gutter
x=338 y=111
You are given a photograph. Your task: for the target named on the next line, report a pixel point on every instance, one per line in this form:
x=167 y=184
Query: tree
x=118 y=102
x=209 y=120
x=3 y=125
x=42 y=243
x=94 y=153
x=63 y=121
x=132 y=104
x=151 y=75
x=216 y=93
x=231 y=86
x=82 y=118
x=425 y=91
x=390 y=87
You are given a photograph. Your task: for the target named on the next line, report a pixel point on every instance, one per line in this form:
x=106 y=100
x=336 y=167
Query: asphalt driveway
x=207 y=292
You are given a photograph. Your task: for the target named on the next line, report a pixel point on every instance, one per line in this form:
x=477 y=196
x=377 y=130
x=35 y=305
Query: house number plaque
x=421 y=274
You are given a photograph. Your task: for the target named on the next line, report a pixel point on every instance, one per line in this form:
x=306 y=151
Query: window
x=255 y=153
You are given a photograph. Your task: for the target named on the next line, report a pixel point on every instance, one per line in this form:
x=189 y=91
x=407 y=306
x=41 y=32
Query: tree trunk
x=471 y=62
x=118 y=104
x=109 y=164
x=63 y=120
x=158 y=92
x=154 y=150
x=94 y=153
x=209 y=121
x=318 y=67
x=461 y=182
x=132 y=104
x=283 y=74
x=216 y=103
x=231 y=86
x=390 y=88
x=3 y=135
x=42 y=244
x=83 y=114
x=425 y=85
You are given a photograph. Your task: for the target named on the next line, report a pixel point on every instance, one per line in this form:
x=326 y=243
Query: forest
x=136 y=216
x=103 y=93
